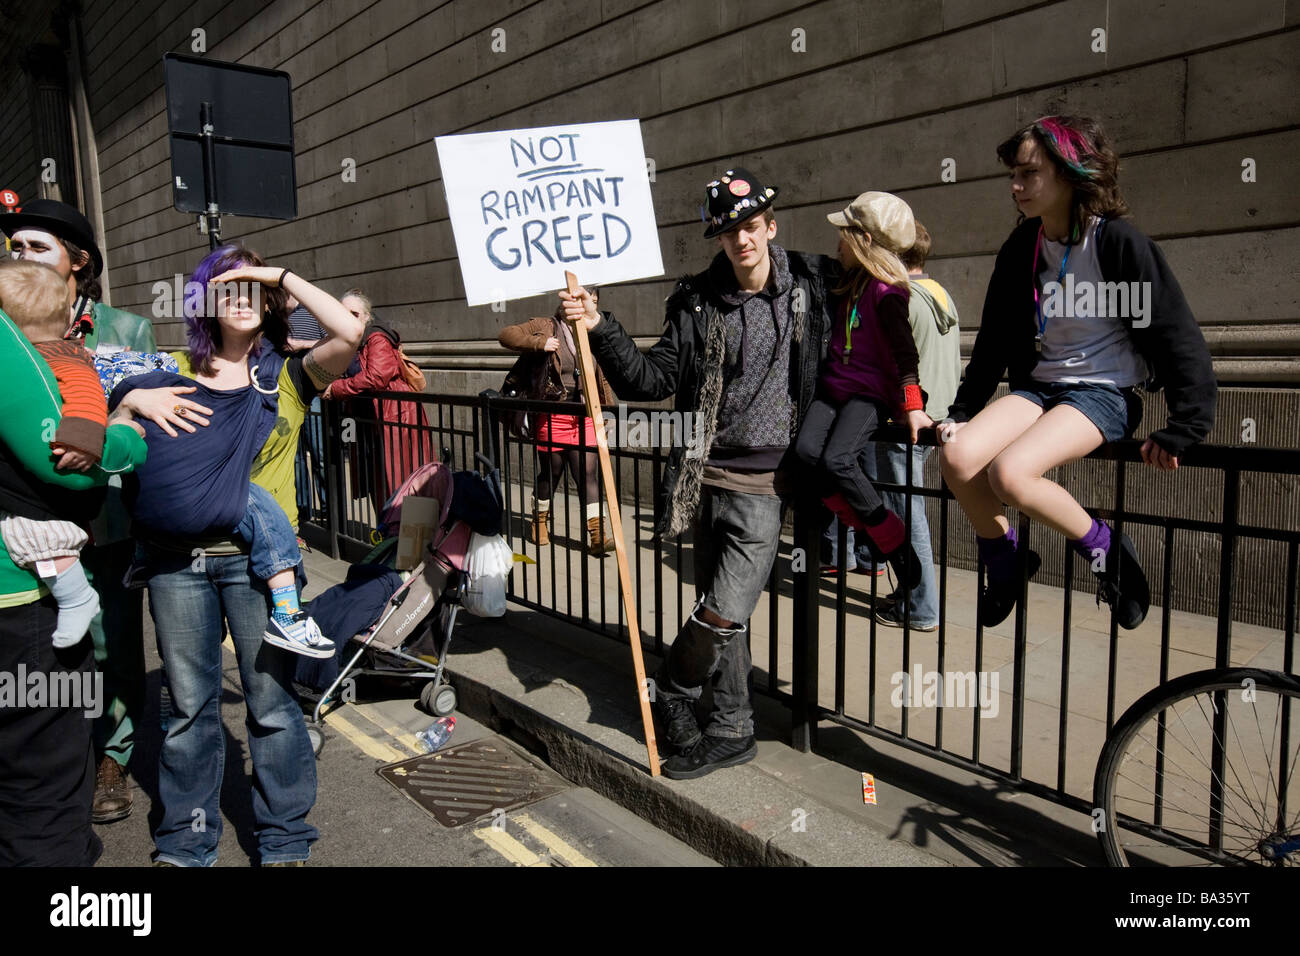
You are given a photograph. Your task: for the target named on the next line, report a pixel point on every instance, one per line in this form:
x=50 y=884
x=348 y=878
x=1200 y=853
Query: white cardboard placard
x=527 y=204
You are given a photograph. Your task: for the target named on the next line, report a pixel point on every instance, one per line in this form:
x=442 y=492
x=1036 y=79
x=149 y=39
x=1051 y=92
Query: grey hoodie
x=933 y=317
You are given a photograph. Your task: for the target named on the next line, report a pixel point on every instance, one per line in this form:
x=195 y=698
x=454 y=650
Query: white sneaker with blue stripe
x=300 y=635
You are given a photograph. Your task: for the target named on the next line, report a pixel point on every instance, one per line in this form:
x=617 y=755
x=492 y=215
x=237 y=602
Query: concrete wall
x=882 y=94
x=879 y=96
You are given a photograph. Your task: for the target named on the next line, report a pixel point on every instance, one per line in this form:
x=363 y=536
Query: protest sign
x=527 y=204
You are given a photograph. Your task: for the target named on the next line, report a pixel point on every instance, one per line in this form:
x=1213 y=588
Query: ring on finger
x=180 y=411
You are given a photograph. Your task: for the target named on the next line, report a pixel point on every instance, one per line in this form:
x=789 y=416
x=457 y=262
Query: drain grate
x=468 y=782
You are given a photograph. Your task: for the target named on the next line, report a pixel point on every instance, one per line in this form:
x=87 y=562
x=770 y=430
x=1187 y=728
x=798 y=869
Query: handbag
x=528 y=378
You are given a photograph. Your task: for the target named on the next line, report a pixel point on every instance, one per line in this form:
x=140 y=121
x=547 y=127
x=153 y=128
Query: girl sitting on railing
x=1081 y=310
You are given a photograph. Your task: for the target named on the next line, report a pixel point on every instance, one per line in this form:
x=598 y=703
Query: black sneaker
x=1000 y=597
x=1123 y=585
x=681 y=731
x=710 y=754
x=890 y=614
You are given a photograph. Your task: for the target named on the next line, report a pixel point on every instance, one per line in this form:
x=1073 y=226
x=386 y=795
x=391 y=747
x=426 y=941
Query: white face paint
x=37 y=245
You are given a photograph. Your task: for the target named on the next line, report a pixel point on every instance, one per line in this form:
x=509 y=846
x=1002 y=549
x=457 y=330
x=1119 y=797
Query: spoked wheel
x=1202 y=771
x=438 y=699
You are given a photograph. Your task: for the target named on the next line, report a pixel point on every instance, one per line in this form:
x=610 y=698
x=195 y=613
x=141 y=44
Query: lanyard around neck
x=850 y=324
x=1060 y=277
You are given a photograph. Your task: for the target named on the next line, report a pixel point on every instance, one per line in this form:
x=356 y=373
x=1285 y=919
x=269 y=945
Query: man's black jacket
x=675 y=364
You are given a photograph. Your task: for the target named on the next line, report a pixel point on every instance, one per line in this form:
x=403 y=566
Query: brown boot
x=539 y=528
x=600 y=540
x=112 y=793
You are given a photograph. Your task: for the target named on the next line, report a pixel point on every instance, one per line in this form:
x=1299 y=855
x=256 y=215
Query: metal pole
x=213 y=214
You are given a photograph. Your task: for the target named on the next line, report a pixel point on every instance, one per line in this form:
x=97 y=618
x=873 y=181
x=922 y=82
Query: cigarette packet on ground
x=868 y=789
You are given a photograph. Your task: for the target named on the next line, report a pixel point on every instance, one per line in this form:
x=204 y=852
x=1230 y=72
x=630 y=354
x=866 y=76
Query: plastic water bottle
x=436 y=734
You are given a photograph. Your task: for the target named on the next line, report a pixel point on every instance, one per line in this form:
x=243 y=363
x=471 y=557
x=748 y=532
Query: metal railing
x=1049 y=752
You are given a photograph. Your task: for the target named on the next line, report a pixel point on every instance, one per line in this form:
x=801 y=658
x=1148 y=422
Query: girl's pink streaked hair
x=1085 y=158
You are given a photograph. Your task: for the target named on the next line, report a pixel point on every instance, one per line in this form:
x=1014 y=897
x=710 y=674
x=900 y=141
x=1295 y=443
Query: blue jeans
x=271 y=539
x=887 y=462
x=188 y=599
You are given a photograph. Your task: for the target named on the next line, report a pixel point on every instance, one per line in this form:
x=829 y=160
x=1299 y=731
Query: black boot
x=907 y=568
x=1000 y=595
x=1123 y=585
x=681 y=731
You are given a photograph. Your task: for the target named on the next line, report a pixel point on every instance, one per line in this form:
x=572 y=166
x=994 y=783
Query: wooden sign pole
x=591 y=396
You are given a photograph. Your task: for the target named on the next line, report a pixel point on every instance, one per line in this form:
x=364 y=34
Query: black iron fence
x=817 y=647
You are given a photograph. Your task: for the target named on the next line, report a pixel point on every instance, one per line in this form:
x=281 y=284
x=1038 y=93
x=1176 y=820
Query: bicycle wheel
x=1202 y=771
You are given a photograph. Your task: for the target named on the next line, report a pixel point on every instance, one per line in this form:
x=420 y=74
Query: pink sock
x=889 y=534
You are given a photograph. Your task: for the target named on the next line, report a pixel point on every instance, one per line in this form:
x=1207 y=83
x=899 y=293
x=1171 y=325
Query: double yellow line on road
x=508 y=846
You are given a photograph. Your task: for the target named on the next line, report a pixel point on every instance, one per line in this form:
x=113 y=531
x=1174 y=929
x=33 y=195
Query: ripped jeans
x=736 y=541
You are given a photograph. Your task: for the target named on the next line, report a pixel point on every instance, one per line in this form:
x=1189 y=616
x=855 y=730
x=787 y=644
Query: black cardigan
x=1172 y=344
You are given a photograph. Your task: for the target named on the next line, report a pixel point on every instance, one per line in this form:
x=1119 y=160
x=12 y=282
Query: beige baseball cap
x=883 y=216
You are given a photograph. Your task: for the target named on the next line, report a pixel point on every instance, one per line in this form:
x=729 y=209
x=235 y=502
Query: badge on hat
x=743 y=198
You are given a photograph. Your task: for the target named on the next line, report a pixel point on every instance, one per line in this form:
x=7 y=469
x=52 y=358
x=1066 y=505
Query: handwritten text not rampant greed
x=564 y=238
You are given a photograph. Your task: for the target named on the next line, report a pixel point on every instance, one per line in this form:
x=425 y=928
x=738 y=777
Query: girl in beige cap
x=869 y=374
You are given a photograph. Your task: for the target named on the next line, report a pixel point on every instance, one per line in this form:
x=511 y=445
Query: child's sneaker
x=300 y=635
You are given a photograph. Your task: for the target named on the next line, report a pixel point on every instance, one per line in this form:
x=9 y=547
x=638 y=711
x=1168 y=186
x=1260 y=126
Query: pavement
x=568 y=696
x=363 y=820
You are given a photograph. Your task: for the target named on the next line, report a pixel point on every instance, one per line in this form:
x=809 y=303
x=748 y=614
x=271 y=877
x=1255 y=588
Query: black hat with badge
x=59 y=219
x=732 y=198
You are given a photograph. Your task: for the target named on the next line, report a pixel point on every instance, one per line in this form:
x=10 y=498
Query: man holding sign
x=740 y=351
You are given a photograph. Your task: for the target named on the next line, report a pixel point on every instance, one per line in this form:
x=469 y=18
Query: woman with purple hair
x=248 y=398
x=1081 y=312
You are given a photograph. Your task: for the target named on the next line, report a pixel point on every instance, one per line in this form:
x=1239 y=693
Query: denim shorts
x=1115 y=411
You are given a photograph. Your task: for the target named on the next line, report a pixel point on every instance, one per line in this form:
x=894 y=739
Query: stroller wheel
x=438 y=699
x=317 y=738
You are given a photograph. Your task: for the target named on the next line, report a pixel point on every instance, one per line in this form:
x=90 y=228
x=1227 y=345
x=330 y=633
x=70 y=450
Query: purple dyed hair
x=203 y=331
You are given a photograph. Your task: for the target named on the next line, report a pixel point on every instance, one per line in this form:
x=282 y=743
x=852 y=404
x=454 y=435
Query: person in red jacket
x=402 y=426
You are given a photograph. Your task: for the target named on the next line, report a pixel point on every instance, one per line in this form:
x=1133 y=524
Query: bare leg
x=965 y=460
x=1016 y=475
x=281 y=579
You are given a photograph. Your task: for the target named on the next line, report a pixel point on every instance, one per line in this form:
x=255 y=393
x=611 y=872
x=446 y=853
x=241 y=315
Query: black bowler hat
x=732 y=198
x=61 y=220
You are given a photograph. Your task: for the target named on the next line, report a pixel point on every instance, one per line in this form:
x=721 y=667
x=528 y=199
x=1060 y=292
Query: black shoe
x=710 y=754
x=907 y=567
x=681 y=731
x=1123 y=585
x=1000 y=597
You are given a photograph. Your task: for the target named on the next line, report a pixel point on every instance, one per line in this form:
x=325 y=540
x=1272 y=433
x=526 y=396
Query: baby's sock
x=999 y=555
x=78 y=603
x=1094 y=544
x=285 y=602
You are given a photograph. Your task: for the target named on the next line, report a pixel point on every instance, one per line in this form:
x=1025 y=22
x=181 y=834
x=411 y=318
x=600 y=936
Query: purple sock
x=1098 y=536
x=999 y=554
